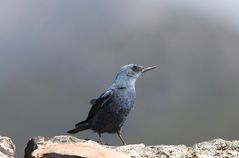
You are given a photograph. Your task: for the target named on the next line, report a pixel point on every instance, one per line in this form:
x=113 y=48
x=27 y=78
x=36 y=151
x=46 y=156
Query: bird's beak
x=148 y=68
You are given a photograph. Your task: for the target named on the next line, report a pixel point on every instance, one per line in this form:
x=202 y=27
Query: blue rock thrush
x=109 y=111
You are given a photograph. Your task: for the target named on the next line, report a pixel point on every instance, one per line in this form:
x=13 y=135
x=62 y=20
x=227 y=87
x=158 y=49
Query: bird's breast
x=125 y=99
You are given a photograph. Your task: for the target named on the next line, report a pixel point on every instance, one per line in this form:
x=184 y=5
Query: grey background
x=57 y=55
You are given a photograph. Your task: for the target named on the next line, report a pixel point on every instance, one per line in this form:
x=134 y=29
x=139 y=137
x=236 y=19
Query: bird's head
x=132 y=71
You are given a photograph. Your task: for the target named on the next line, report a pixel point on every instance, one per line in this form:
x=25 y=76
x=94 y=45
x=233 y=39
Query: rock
x=154 y=151
x=71 y=147
x=68 y=147
x=7 y=148
x=216 y=148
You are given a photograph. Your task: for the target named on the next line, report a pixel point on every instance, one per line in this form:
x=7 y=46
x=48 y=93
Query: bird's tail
x=79 y=127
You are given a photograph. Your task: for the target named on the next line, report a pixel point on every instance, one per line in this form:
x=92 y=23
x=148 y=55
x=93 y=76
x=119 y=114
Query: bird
x=110 y=110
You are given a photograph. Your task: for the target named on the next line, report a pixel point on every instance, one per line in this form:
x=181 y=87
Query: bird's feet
x=100 y=142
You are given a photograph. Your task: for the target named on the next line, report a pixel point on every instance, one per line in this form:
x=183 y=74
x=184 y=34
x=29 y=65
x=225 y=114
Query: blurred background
x=57 y=55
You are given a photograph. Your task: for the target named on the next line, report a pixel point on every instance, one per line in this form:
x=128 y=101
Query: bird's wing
x=97 y=104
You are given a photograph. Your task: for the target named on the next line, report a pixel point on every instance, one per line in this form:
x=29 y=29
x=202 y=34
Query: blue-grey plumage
x=110 y=110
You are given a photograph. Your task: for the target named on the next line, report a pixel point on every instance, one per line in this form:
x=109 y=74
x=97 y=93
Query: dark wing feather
x=92 y=101
x=98 y=103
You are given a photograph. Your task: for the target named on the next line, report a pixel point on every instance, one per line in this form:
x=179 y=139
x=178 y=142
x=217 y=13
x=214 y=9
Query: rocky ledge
x=7 y=148
x=71 y=147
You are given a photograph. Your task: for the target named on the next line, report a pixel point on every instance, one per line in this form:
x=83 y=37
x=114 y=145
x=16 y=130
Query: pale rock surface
x=217 y=148
x=68 y=147
x=71 y=147
x=7 y=148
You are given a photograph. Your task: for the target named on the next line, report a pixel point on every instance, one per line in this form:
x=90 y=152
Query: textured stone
x=215 y=148
x=71 y=147
x=68 y=147
x=7 y=148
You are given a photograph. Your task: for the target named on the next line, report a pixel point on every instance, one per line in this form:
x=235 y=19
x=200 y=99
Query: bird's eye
x=135 y=68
